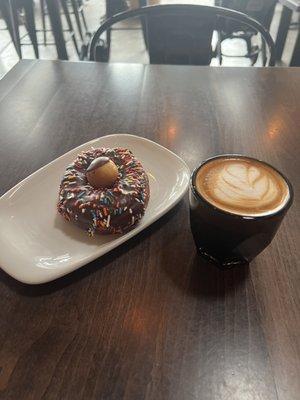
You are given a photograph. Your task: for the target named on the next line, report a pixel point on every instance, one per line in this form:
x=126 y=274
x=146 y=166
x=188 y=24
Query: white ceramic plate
x=37 y=245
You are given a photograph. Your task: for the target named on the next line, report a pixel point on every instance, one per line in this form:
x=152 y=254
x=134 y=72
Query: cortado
x=242 y=186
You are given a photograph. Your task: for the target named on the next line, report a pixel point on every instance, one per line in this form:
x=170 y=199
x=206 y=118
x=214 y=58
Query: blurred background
x=27 y=31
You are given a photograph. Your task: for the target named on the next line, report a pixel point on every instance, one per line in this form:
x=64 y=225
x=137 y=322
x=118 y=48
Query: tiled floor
x=128 y=46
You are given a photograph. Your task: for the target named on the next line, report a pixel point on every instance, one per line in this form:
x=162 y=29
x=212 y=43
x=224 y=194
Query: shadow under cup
x=229 y=239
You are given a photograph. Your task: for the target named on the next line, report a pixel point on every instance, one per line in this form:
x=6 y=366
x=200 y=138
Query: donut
x=116 y=206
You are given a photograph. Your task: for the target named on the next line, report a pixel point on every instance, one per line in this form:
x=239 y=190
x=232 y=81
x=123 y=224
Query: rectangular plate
x=37 y=245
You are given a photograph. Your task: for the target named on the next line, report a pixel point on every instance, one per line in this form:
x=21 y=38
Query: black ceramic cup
x=229 y=239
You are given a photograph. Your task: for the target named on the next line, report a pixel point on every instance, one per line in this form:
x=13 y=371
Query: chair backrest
x=114 y=7
x=181 y=34
x=261 y=10
x=179 y=39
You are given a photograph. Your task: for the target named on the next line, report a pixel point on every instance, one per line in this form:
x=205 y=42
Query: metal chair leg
x=70 y=25
x=219 y=48
x=283 y=29
x=30 y=24
x=77 y=18
x=43 y=13
x=53 y=10
x=80 y=7
x=264 y=52
x=10 y=15
x=249 y=45
x=295 y=62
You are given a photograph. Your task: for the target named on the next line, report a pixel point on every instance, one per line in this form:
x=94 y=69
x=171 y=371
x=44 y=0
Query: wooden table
x=151 y=320
x=289 y=6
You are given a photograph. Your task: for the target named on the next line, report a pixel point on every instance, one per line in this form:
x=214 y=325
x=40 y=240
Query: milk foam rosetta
x=242 y=186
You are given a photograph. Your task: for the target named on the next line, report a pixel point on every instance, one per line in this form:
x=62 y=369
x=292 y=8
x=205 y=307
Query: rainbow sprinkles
x=116 y=209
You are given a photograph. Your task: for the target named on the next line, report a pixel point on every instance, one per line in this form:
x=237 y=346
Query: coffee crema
x=242 y=186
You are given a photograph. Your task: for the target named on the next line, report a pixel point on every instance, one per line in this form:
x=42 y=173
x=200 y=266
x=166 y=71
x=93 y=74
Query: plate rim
x=111 y=245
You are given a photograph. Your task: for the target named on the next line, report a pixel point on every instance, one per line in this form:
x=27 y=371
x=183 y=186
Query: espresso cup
x=237 y=204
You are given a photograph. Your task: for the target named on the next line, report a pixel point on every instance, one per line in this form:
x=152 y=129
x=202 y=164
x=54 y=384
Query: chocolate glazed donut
x=114 y=209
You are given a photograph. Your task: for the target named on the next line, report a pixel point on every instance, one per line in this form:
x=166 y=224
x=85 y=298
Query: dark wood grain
x=151 y=320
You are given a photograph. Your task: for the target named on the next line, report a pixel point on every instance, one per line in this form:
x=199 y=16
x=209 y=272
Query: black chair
x=178 y=34
x=10 y=11
x=69 y=7
x=261 y=10
x=113 y=7
x=70 y=29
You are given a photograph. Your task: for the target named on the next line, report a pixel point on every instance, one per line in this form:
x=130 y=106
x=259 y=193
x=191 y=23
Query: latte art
x=242 y=186
x=238 y=183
